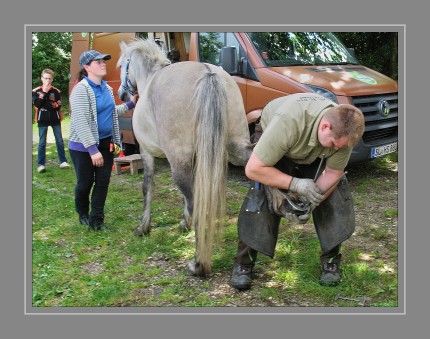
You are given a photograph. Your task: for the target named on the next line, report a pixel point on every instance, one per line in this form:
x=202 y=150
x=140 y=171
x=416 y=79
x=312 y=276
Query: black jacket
x=47 y=106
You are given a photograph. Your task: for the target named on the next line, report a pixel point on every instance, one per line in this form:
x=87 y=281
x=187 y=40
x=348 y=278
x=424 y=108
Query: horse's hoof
x=193 y=270
x=138 y=232
x=190 y=270
x=183 y=225
x=141 y=231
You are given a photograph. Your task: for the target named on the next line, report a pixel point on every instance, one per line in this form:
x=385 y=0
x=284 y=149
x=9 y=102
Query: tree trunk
x=394 y=56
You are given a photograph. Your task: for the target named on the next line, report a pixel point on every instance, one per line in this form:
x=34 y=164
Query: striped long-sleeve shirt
x=83 y=122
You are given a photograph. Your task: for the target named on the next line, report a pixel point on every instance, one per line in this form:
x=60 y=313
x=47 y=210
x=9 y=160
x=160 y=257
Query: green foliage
x=376 y=50
x=52 y=50
x=297 y=48
x=210 y=47
x=390 y=213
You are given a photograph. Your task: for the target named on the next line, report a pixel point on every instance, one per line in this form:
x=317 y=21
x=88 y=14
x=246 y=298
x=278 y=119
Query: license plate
x=383 y=150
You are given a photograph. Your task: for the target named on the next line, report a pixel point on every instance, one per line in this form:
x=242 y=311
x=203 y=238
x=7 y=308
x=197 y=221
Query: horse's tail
x=210 y=167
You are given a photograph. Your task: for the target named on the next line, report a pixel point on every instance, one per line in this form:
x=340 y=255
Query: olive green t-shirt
x=290 y=126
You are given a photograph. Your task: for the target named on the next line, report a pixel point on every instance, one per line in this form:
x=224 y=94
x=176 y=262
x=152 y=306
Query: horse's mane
x=151 y=55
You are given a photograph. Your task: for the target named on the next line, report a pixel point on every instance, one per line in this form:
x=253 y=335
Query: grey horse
x=192 y=114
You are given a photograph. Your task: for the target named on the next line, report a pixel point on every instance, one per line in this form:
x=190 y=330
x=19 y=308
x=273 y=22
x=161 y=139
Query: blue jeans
x=41 y=150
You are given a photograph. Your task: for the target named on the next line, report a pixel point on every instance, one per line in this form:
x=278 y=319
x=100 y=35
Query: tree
x=52 y=50
x=376 y=50
x=210 y=47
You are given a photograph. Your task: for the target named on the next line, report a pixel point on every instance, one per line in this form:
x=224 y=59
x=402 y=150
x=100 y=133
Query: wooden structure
x=134 y=161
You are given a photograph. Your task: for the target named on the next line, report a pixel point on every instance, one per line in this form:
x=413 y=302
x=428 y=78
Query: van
x=268 y=65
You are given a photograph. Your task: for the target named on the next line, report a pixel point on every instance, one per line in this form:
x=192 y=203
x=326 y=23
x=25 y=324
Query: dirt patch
x=93 y=268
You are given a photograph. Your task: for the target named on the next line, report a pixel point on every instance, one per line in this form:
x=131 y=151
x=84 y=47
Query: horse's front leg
x=148 y=192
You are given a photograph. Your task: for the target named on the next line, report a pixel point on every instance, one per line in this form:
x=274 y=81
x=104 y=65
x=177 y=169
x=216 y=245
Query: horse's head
x=138 y=61
x=128 y=84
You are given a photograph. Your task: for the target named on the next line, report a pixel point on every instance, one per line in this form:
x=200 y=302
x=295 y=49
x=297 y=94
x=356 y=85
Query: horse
x=191 y=113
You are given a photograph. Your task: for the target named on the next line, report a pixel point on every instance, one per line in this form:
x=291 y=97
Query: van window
x=300 y=48
x=210 y=45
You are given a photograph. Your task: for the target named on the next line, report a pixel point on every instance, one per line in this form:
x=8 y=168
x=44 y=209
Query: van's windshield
x=279 y=49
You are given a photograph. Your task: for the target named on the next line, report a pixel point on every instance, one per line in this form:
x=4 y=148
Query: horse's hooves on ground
x=191 y=270
x=183 y=225
x=138 y=231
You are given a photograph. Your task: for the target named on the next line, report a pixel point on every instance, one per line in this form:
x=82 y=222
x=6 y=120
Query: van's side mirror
x=228 y=59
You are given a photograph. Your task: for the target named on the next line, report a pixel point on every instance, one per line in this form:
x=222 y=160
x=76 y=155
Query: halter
x=129 y=86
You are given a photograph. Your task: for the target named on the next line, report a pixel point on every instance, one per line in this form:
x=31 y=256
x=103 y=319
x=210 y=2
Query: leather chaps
x=334 y=218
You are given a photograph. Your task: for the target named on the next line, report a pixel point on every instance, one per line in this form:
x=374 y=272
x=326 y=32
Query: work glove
x=276 y=200
x=308 y=189
x=278 y=205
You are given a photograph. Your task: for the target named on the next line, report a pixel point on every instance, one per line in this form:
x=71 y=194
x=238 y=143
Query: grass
x=72 y=267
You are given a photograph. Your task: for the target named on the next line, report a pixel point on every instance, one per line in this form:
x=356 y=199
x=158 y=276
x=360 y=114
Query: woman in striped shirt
x=94 y=127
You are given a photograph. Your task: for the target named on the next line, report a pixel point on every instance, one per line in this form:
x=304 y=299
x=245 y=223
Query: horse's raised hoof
x=183 y=226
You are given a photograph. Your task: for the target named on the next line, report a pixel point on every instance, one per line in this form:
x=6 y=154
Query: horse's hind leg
x=184 y=180
x=148 y=191
x=185 y=224
x=183 y=176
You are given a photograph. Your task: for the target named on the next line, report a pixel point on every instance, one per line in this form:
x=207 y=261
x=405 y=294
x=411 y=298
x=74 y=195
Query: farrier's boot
x=241 y=277
x=330 y=275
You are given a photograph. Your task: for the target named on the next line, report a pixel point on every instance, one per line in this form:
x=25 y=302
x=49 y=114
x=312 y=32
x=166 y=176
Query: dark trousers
x=247 y=256
x=92 y=181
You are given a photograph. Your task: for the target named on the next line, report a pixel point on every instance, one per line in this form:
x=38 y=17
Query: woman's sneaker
x=83 y=220
x=98 y=226
x=64 y=165
x=41 y=169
